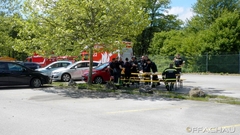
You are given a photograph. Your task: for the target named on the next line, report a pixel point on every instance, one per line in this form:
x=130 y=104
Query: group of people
x=145 y=65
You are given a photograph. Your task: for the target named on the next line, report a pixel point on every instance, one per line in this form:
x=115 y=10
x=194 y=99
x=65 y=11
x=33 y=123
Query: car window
x=55 y=65
x=65 y=64
x=15 y=67
x=81 y=65
x=102 y=66
x=95 y=64
x=3 y=67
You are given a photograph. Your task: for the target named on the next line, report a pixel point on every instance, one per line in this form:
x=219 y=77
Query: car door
x=4 y=74
x=79 y=70
x=56 y=66
x=18 y=74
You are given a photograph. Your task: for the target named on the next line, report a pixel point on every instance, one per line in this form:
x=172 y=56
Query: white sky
x=182 y=8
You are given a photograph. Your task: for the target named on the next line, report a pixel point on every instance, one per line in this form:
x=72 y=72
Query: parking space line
x=231 y=126
x=142 y=110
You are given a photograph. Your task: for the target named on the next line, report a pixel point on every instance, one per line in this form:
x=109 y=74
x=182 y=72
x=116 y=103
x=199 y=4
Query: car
x=12 y=73
x=53 y=66
x=31 y=65
x=73 y=71
x=100 y=74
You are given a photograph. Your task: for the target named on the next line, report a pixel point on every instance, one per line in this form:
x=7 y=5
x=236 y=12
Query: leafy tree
x=8 y=28
x=166 y=43
x=207 y=11
x=224 y=34
x=158 y=22
x=68 y=26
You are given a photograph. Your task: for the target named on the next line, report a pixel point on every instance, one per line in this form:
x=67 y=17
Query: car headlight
x=55 y=73
x=44 y=73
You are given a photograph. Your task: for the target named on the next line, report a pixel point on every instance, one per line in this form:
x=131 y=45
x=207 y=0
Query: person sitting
x=169 y=76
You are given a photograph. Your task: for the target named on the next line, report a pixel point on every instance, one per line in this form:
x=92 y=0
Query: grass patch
x=64 y=84
x=162 y=93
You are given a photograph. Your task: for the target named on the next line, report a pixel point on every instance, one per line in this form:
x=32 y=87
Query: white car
x=53 y=66
x=74 y=71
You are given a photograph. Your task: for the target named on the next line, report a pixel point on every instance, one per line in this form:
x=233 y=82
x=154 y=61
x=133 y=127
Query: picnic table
x=147 y=78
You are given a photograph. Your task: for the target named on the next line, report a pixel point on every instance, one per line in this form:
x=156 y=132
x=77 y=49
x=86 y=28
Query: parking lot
x=52 y=111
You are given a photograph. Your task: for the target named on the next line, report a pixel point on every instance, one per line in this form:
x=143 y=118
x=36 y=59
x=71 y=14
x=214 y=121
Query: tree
x=158 y=22
x=166 y=43
x=224 y=34
x=9 y=11
x=207 y=11
x=68 y=26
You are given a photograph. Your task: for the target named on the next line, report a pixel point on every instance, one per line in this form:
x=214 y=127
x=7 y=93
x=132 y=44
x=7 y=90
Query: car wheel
x=66 y=77
x=35 y=83
x=98 y=80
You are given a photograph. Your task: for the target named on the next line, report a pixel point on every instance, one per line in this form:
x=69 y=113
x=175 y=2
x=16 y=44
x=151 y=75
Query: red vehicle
x=44 y=61
x=100 y=74
x=103 y=56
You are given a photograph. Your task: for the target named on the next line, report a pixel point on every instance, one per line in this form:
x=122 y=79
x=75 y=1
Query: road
x=49 y=111
x=228 y=85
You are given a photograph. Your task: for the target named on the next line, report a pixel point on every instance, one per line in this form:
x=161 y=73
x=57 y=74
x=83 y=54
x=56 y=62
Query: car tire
x=98 y=80
x=66 y=77
x=36 y=83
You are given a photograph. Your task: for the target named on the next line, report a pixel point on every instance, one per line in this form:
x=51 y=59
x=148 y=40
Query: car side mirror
x=49 y=67
x=24 y=70
x=75 y=67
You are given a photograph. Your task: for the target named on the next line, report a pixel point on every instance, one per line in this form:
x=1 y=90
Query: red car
x=100 y=74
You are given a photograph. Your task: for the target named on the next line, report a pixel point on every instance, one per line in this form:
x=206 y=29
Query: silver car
x=53 y=66
x=74 y=71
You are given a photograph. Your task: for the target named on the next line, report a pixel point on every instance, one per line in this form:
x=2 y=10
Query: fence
x=225 y=63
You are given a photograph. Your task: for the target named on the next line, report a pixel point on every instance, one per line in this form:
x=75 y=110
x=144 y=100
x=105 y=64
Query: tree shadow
x=120 y=94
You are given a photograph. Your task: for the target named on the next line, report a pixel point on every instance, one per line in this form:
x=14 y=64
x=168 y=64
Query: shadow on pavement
x=118 y=95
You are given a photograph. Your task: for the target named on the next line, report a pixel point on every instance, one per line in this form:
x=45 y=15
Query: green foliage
x=209 y=10
x=166 y=43
x=66 y=27
x=158 y=22
x=214 y=29
x=224 y=34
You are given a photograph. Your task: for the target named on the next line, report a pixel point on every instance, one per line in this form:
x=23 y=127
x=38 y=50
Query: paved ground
x=228 y=85
x=50 y=111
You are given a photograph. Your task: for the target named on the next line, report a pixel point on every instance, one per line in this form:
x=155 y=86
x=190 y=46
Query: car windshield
x=100 y=67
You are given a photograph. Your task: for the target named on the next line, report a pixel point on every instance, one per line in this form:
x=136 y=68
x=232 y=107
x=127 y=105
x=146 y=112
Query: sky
x=182 y=8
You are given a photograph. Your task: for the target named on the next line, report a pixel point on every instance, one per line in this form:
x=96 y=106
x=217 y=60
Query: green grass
x=167 y=94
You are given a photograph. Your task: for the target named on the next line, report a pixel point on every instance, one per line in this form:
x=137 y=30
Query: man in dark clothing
x=115 y=70
x=178 y=64
x=143 y=64
x=134 y=69
x=151 y=66
x=169 y=73
x=127 y=71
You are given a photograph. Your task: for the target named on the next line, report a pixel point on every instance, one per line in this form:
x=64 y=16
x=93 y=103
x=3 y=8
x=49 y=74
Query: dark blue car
x=12 y=73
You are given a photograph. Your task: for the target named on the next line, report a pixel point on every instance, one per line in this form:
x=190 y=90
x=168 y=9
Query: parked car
x=30 y=65
x=100 y=74
x=53 y=66
x=73 y=71
x=12 y=73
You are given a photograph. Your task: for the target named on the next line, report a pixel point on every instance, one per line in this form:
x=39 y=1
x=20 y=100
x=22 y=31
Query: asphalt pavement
x=51 y=111
x=227 y=85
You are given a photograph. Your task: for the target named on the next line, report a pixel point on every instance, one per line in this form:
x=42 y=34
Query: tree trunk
x=90 y=64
